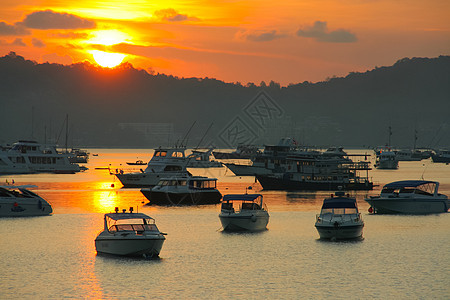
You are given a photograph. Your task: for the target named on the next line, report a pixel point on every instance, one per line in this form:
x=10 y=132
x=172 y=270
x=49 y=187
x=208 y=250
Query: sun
x=107 y=59
x=102 y=39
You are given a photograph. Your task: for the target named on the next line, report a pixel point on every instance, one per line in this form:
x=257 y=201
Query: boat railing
x=137 y=228
x=328 y=217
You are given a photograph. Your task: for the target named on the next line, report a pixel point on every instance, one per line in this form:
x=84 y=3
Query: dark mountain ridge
x=128 y=107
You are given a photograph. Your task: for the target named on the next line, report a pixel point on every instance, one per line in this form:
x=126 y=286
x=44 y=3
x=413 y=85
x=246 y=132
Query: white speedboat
x=25 y=157
x=129 y=234
x=166 y=162
x=18 y=201
x=183 y=190
x=243 y=212
x=409 y=197
x=339 y=218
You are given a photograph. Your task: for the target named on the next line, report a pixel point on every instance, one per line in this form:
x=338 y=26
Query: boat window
x=172 y=168
x=406 y=190
x=339 y=211
x=227 y=205
x=177 y=154
x=351 y=211
x=327 y=211
x=182 y=182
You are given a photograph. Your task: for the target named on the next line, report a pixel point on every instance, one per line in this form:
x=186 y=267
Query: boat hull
x=331 y=231
x=247 y=170
x=24 y=208
x=251 y=221
x=440 y=159
x=134 y=246
x=277 y=183
x=408 y=205
x=183 y=198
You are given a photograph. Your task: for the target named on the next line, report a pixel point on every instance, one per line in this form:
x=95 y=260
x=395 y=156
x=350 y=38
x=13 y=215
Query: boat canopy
x=407 y=183
x=123 y=216
x=241 y=197
x=339 y=202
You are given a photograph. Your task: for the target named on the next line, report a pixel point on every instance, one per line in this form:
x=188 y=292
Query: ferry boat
x=183 y=190
x=166 y=162
x=318 y=173
x=129 y=234
x=409 y=197
x=339 y=218
x=243 y=212
x=19 y=201
x=25 y=157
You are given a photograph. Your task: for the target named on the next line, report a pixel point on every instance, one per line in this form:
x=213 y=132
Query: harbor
x=399 y=255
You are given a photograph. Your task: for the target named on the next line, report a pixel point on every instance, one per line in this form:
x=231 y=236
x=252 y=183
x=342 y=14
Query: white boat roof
x=127 y=216
x=241 y=197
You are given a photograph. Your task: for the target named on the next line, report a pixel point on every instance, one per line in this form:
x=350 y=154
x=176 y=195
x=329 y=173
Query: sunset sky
x=247 y=41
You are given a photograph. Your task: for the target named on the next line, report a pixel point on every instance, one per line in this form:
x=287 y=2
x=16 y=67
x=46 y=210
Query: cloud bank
x=319 y=31
x=17 y=29
x=172 y=15
x=49 y=19
x=261 y=36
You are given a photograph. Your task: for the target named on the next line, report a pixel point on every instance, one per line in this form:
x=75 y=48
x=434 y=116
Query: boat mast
x=67 y=129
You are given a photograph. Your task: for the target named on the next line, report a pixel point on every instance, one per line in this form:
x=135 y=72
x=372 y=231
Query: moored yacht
x=243 y=212
x=319 y=173
x=25 y=157
x=183 y=190
x=441 y=156
x=202 y=159
x=18 y=201
x=129 y=234
x=166 y=162
x=409 y=197
x=386 y=159
x=339 y=218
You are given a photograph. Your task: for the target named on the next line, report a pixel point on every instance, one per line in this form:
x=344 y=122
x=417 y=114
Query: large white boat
x=409 y=197
x=339 y=218
x=26 y=157
x=243 y=212
x=129 y=234
x=183 y=190
x=166 y=162
x=386 y=159
x=18 y=201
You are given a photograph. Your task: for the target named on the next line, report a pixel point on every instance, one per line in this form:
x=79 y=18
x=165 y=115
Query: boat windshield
x=339 y=211
x=137 y=224
x=202 y=184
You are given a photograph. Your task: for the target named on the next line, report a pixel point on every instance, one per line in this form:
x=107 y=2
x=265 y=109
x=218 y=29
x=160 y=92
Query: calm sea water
x=400 y=257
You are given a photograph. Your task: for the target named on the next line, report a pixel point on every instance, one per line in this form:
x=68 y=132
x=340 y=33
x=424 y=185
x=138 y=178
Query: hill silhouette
x=128 y=107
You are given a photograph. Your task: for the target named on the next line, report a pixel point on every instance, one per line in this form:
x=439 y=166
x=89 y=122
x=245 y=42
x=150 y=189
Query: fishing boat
x=183 y=190
x=243 y=212
x=19 y=201
x=409 y=197
x=166 y=162
x=138 y=162
x=129 y=234
x=339 y=218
